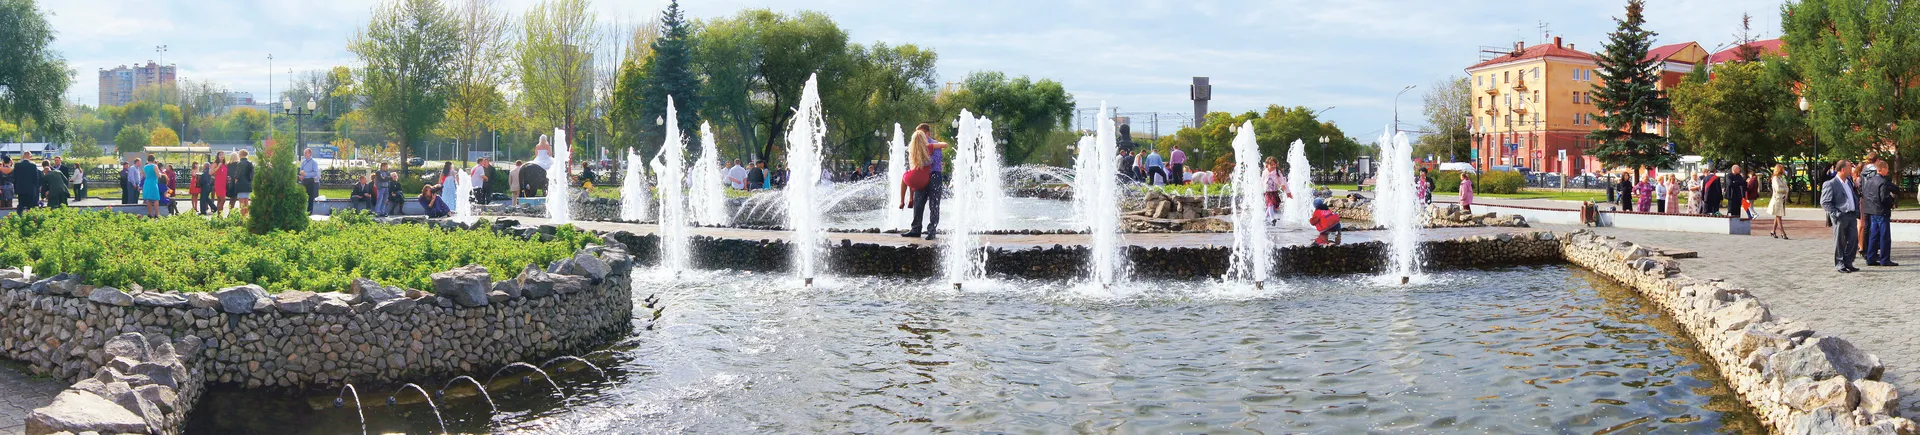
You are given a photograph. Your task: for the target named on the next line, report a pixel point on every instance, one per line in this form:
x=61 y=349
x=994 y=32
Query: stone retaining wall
x=1798 y=380
x=1440 y=215
x=1064 y=262
x=149 y=386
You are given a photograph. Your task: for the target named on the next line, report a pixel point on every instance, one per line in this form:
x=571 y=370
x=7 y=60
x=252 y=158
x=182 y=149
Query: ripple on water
x=1523 y=350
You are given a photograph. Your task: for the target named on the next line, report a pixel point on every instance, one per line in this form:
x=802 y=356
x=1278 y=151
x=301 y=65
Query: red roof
x=1770 y=46
x=1665 y=51
x=1537 y=51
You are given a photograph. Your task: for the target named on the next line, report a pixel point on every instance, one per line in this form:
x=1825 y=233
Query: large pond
x=1521 y=350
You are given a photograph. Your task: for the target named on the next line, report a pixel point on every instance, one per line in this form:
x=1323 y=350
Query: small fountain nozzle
x=1405 y=279
x=392 y=401
x=956 y=286
x=1260 y=285
x=339 y=402
x=809 y=282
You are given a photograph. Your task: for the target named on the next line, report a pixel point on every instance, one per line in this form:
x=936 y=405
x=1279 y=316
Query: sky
x=1136 y=55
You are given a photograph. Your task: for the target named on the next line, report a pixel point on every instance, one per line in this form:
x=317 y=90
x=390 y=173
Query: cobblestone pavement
x=1869 y=308
x=20 y=393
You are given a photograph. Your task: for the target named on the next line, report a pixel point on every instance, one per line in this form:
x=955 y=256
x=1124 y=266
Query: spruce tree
x=668 y=71
x=279 y=201
x=1629 y=98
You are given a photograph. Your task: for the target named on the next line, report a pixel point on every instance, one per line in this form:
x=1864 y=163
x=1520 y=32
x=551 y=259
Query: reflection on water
x=1525 y=350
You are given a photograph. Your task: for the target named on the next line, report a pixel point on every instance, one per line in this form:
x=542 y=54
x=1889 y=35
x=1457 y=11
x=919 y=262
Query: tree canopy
x=1860 y=62
x=1449 y=109
x=33 y=78
x=408 y=49
x=1629 y=98
x=1746 y=113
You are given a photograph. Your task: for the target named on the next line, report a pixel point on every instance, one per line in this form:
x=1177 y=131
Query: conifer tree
x=1629 y=98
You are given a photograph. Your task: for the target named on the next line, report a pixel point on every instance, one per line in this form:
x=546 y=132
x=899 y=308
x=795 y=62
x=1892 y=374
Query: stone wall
x=1439 y=215
x=60 y=326
x=1798 y=380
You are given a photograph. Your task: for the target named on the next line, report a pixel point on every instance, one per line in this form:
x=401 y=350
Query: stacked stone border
x=1799 y=381
x=61 y=327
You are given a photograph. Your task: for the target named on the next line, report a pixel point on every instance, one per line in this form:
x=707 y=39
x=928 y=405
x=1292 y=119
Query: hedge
x=196 y=254
x=1485 y=182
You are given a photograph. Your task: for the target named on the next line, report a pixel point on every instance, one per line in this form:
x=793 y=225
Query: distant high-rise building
x=118 y=85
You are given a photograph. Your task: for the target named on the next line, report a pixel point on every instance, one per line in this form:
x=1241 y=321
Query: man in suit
x=1838 y=197
x=1877 y=198
x=1736 y=185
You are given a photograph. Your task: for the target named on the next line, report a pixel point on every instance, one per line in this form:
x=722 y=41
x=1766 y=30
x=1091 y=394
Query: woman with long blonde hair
x=924 y=154
x=1778 y=205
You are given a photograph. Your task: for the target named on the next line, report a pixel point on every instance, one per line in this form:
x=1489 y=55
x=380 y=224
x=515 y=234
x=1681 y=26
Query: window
x=1509 y=100
x=1536 y=73
x=1536 y=97
x=1507 y=76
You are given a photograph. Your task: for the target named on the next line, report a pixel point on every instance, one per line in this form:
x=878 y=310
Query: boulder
x=130 y=345
x=111 y=296
x=1737 y=315
x=297 y=301
x=156 y=299
x=1878 y=398
x=465 y=285
x=510 y=287
x=242 y=299
x=395 y=306
x=366 y=290
x=589 y=266
x=166 y=398
x=333 y=306
x=496 y=296
x=79 y=411
x=202 y=300
x=1753 y=338
x=535 y=282
x=155 y=374
x=1822 y=358
x=1835 y=394
x=569 y=284
x=1819 y=422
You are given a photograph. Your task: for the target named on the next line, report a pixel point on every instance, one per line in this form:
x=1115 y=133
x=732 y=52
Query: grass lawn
x=113 y=193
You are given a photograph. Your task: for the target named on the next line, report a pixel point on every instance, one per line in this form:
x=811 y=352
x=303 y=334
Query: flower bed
x=193 y=254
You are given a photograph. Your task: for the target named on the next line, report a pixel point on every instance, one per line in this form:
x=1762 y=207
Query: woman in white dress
x=543 y=153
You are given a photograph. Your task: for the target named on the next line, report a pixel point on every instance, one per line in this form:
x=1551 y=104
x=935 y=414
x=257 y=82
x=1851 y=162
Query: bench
x=1364 y=185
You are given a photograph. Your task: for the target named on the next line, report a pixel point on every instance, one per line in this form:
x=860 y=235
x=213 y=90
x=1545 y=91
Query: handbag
x=917 y=178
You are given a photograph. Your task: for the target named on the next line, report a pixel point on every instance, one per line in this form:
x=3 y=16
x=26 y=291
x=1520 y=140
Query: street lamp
x=1317 y=114
x=286 y=106
x=1396 y=107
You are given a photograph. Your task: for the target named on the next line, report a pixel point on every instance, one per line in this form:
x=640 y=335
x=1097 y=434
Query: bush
x=195 y=254
x=1499 y=182
x=1449 y=181
x=279 y=201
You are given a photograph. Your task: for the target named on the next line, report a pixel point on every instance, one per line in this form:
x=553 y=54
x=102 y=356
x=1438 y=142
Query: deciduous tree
x=555 y=56
x=1449 y=108
x=408 y=50
x=1860 y=61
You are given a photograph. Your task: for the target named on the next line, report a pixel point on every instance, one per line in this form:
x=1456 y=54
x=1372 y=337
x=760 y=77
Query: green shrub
x=191 y=253
x=279 y=201
x=1499 y=182
x=1449 y=181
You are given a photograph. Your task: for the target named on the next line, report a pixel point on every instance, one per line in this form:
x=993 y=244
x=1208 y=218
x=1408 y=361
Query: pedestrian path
x=20 y=393
x=1797 y=278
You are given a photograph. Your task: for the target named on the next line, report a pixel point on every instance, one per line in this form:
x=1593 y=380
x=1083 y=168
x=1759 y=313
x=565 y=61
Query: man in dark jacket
x=363 y=193
x=129 y=190
x=26 y=183
x=1736 y=186
x=1877 y=198
x=1711 y=189
x=54 y=186
x=1839 y=197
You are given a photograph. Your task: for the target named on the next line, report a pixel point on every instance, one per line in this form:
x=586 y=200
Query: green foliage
x=163 y=137
x=33 y=77
x=132 y=139
x=1449 y=107
x=1629 y=98
x=1495 y=182
x=1448 y=181
x=1859 y=60
x=886 y=85
x=640 y=95
x=1024 y=111
x=1746 y=114
x=196 y=254
x=479 y=68
x=279 y=201
x=555 y=56
x=408 y=49
x=84 y=147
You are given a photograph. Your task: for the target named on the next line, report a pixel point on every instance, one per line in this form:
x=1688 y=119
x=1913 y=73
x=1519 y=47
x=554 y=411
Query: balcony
x=1493 y=91
x=1520 y=85
x=1522 y=110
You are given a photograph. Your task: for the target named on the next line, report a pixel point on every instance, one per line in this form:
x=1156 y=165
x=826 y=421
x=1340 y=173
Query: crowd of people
x=1145 y=166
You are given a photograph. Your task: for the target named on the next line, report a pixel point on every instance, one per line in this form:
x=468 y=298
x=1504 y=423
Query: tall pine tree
x=641 y=94
x=1629 y=98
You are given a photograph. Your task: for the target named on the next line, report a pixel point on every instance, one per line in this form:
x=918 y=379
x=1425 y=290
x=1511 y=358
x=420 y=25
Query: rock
x=111 y=296
x=1835 y=394
x=1737 y=315
x=130 y=345
x=242 y=299
x=496 y=296
x=366 y=290
x=14 y=284
x=78 y=411
x=1879 y=398
x=559 y=266
x=569 y=284
x=510 y=287
x=1752 y=338
x=189 y=347
x=153 y=299
x=395 y=306
x=202 y=300
x=465 y=285
x=535 y=282
x=160 y=395
x=332 y=306
x=589 y=266
x=297 y=301
x=156 y=374
x=1822 y=358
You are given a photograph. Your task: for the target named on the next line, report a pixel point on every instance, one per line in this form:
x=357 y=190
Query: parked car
x=416 y=161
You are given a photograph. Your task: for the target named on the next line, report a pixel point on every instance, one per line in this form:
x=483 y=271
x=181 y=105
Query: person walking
x=1177 y=167
x=756 y=177
x=77 y=177
x=379 y=183
x=1710 y=189
x=1777 y=204
x=222 y=184
x=310 y=177
x=194 y=171
x=1736 y=185
x=204 y=190
x=242 y=190
x=1156 y=174
x=1877 y=198
x=150 y=187
x=1627 y=185
x=1466 y=193
x=478 y=176
x=1837 y=198
x=1276 y=182
x=926 y=151
x=1140 y=166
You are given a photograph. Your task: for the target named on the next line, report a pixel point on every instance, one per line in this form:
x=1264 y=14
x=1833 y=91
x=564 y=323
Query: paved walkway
x=20 y=393
x=1281 y=237
x=1796 y=277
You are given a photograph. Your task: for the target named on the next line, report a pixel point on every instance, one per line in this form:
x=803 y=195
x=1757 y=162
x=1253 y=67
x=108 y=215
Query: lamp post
x=1806 y=111
x=1324 y=141
x=286 y=106
x=1396 y=107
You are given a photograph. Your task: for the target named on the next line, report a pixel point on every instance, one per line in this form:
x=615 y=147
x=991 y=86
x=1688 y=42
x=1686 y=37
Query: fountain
x=459 y=189
x=804 y=139
x=672 y=168
x=896 y=173
x=596 y=369
x=423 y=395
x=1096 y=179
x=559 y=210
x=969 y=193
x=634 y=199
x=1252 y=248
x=708 y=196
x=1298 y=210
x=358 y=409
x=1397 y=206
x=476 y=384
x=543 y=375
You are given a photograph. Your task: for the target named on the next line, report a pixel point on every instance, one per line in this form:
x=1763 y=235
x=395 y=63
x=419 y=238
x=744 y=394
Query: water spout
x=1397 y=206
x=559 y=209
x=340 y=400
x=1097 y=200
x=596 y=369
x=428 y=398
x=543 y=375
x=896 y=173
x=634 y=198
x=804 y=139
x=476 y=384
x=1298 y=210
x=708 y=194
x=975 y=185
x=460 y=190
x=672 y=167
x=1252 y=247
